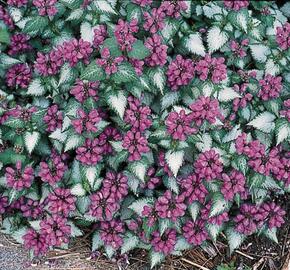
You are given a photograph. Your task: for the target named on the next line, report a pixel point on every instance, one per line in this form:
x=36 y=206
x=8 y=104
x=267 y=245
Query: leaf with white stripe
x=31 y=139
x=35 y=88
x=174 y=160
x=282 y=130
x=216 y=39
x=260 y=52
x=118 y=103
x=104 y=6
x=194 y=44
x=87 y=33
x=263 y=122
x=228 y=94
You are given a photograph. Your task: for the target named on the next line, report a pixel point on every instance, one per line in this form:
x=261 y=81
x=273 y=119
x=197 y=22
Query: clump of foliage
x=159 y=124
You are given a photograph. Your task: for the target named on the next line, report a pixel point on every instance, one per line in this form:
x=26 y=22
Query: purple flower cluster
x=239 y=49
x=211 y=67
x=233 y=183
x=164 y=243
x=271 y=87
x=236 y=4
x=45 y=7
x=86 y=122
x=179 y=125
x=19 y=75
x=180 y=72
x=109 y=63
x=111 y=233
x=83 y=90
x=195 y=232
x=17 y=3
x=53 y=118
x=283 y=36
x=19 y=178
x=90 y=152
x=158 y=51
x=19 y=44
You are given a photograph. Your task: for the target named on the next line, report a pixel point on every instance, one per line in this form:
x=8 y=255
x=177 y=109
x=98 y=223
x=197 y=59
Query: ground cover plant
x=154 y=124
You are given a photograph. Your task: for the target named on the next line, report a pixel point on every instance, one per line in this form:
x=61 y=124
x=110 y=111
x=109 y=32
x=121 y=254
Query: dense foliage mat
x=155 y=124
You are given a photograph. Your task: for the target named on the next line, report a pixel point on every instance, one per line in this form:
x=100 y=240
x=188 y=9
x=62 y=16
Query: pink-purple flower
x=36 y=242
x=82 y=90
x=86 y=122
x=195 y=232
x=208 y=165
x=112 y=232
x=100 y=34
x=137 y=115
x=180 y=72
x=173 y=8
x=233 y=184
x=19 y=178
x=164 y=243
x=158 y=51
x=179 y=125
x=108 y=62
x=46 y=7
x=90 y=153
x=53 y=118
x=154 y=21
x=136 y=144
x=19 y=75
x=283 y=36
x=270 y=87
x=236 y=4
x=19 y=44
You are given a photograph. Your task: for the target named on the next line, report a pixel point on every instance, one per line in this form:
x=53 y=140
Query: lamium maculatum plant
x=157 y=125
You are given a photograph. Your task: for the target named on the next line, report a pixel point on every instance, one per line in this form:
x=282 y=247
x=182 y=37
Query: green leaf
x=235 y=239
x=104 y=6
x=164 y=224
x=282 y=130
x=118 y=102
x=93 y=72
x=78 y=190
x=125 y=73
x=171 y=183
x=240 y=164
x=182 y=244
x=73 y=141
x=193 y=44
x=36 y=88
x=216 y=38
x=271 y=234
x=97 y=241
x=31 y=139
x=7 y=61
x=169 y=99
x=18 y=235
x=158 y=78
x=194 y=209
x=174 y=160
x=138 y=205
x=75 y=231
x=35 y=25
x=213 y=231
x=130 y=242
x=139 y=51
x=112 y=45
x=219 y=205
x=156 y=258
x=263 y=122
x=139 y=169
x=14 y=123
x=67 y=74
x=4 y=36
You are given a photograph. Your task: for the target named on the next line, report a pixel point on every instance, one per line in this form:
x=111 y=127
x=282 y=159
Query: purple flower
x=195 y=232
x=151 y=214
x=53 y=118
x=173 y=8
x=263 y=163
x=205 y=108
x=32 y=208
x=194 y=189
x=179 y=125
x=53 y=171
x=36 y=242
x=19 y=75
x=163 y=164
x=217 y=219
x=61 y=202
x=158 y=51
x=6 y=18
x=90 y=152
x=24 y=114
x=233 y=184
x=109 y=63
x=282 y=172
x=50 y=63
x=238 y=49
x=180 y=72
x=170 y=206
x=83 y=90
x=86 y=122
x=3 y=204
x=111 y=233
x=137 y=115
x=236 y=4
x=100 y=34
x=19 y=44
x=17 y=3
x=208 y=165
x=164 y=243
x=143 y=3
x=152 y=180
x=109 y=134
x=136 y=145
x=45 y=7
x=124 y=34
x=273 y=214
x=103 y=205
x=18 y=178
x=247 y=220
x=116 y=184
x=286 y=112
x=56 y=230
x=213 y=67
x=138 y=65
x=154 y=21
x=76 y=50
x=271 y=87
x=283 y=36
